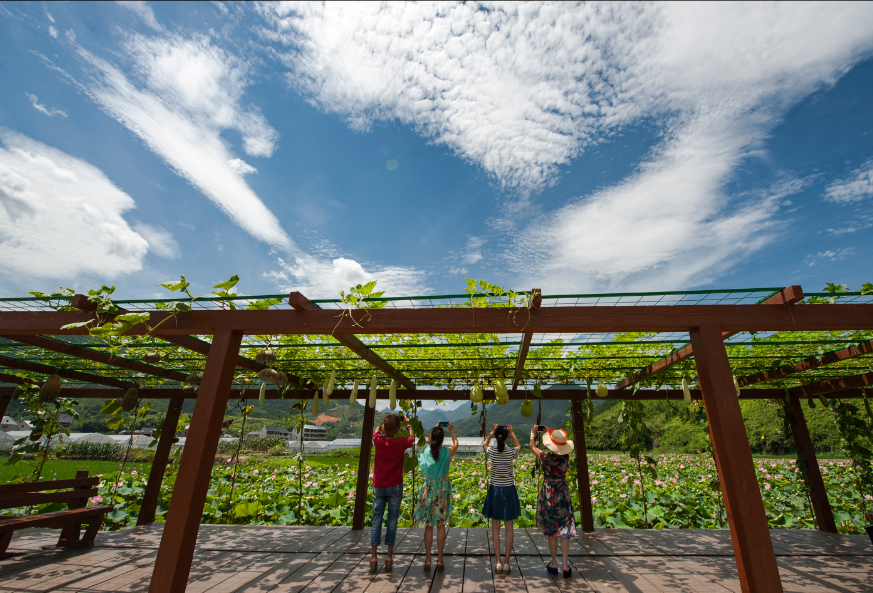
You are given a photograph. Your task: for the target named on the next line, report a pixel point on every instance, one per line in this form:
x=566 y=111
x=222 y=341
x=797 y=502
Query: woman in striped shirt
x=502 y=503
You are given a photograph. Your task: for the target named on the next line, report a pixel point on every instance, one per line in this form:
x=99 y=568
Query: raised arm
x=515 y=442
x=454 y=448
x=487 y=440
x=409 y=428
x=533 y=439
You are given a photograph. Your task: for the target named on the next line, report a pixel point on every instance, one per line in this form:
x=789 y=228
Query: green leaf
x=77 y=324
x=334 y=500
x=262 y=305
x=617 y=521
x=228 y=284
x=111 y=407
x=115 y=423
x=117 y=516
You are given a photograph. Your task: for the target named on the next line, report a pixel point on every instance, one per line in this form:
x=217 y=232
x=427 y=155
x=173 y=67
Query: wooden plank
x=416 y=579
x=189 y=493
x=351 y=542
x=343 y=569
x=363 y=479
x=756 y=561
x=26 y=487
x=645 y=318
x=809 y=364
x=583 y=485
x=287 y=566
x=478 y=539
x=478 y=575
x=323 y=542
x=43 y=369
x=301 y=303
x=240 y=577
x=450 y=580
x=34 y=498
x=523 y=545
x=389 y=581
x=596 y=575
x=456 y=541
x=412 y=543
x=159 y=464
x=358 y=579
x=854 y=382
x=301 y=576
x=818 y=493
x=536 y=578
x=526 y=339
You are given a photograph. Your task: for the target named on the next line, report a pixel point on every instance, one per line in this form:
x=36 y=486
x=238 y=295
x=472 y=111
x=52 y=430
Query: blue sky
x=575 y=148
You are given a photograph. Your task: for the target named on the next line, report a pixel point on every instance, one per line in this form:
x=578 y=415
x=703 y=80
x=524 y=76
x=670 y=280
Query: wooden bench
x=81 y=489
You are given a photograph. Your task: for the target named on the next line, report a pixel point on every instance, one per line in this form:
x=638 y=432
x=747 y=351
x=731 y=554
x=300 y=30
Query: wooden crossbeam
x=83 y=303
x=855 y=382
x=301 y=303
x=526 y=339
x=788 y=296
x=33 y=367
x=97 y=356
x=4 y=378
x=809 y=364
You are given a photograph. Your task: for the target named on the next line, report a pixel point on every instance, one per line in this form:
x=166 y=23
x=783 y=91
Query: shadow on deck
x=232 y=558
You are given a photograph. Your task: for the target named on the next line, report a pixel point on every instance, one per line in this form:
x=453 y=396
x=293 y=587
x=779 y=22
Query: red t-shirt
x=388 y=467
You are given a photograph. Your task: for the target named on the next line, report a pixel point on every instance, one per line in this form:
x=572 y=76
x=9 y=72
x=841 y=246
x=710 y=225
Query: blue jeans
x=393 y=496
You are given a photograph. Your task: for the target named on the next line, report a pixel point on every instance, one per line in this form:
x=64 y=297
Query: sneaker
x=499 y=568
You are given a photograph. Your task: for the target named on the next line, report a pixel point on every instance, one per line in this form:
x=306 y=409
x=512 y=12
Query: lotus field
x=684 y=494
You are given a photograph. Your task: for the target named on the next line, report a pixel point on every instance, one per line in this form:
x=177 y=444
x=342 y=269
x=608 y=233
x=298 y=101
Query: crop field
x=683 y=495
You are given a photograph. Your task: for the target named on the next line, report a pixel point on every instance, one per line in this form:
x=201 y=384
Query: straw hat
x=556 y=440
x=390 y=425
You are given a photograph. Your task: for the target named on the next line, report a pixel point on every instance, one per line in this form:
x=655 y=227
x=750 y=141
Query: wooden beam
x=582 y=480
x=526 y=339
x=363 y=482
x=173 y=562
x=42 y=369
x=750 y=533
x=455 y=395
x=788 y=296
x=4 y=378
x=4 y=403
x=833 y=385
x=301 y=303
x=657 y=318
x=821 y=506
x=159 y=464
x=97 y=356
x=83 y=303
x=809 y=364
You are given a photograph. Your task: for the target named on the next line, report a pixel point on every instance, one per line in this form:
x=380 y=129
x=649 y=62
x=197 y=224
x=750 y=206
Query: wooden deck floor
x=302 y=559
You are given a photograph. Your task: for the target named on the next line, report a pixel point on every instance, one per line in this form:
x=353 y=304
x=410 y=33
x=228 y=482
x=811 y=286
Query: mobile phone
x=444 y=424
x=401 y=417
x=541 y=428
x=501 y=427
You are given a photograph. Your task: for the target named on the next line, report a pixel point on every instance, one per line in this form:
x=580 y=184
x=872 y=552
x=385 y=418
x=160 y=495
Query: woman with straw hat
x=555 y=507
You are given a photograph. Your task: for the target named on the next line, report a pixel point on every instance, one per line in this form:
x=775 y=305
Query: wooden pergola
x=706 y=325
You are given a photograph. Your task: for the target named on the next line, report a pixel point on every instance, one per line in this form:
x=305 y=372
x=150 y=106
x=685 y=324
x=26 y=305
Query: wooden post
x=4 y=404
x=750 y=533
x=364 y=468
x=159 y=465
x=173 y=563
x=817 y=491
x=582 y=480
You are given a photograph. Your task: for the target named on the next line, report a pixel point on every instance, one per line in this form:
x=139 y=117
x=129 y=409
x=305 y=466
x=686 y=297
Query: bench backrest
x=81 y=488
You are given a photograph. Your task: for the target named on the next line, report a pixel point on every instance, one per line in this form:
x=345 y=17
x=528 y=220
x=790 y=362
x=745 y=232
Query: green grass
x=63 y=469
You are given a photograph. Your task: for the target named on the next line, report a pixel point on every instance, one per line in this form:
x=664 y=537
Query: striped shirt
x=502 y=465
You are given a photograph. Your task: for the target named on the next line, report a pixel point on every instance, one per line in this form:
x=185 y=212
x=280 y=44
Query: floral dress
x=555 y=506
x=435 y=502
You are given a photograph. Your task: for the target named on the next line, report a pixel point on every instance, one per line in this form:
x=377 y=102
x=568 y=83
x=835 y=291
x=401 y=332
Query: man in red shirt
x=388 y=483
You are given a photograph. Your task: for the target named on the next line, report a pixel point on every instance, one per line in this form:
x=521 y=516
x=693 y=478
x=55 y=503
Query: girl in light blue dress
x=435 y=503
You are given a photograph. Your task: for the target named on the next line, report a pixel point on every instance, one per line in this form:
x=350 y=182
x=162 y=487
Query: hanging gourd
x=130 y=400
x=686 y=392
x=315 y=405
x=330 y=382
x=372 y=401
x=265 y=357
x=500 y=391
x=268 y=375
x=602 y=391
x=527 y=408
x=325 y=393
x=353 y=397
x=50 y=390
x=193 y=379
x=151 y=357
x=476 y=394
x=262 y=394
x=392 y=394
x=736 y=385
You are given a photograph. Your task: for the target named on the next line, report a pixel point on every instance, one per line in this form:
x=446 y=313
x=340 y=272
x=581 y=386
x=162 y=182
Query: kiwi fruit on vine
x=50 y=390
x=151 y=357
x=193 y=379
x=130 y=400
x=265 y=357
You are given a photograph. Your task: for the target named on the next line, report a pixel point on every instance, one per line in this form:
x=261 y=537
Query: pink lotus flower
x=96 y=499
x=622 y=495
x=766 y=486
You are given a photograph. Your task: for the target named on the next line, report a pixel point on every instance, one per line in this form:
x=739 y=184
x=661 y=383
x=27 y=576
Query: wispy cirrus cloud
x=142 y=9
x=857 y=187
x=34 y=100
x=523 y=89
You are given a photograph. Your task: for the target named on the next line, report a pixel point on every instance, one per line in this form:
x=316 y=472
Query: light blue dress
x=435 y=501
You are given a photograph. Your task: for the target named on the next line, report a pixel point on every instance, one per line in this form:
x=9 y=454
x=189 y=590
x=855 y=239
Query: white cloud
x=859 y=186
x=241 y=167
x=858 y=222
x=318 y=278
x=190 y=92
x=34 y=100
x=160 y=240
x=143 y=11
x=826 y=257
x=53 y=32
x=522 y=89
x=61 y=217
x=473 y=254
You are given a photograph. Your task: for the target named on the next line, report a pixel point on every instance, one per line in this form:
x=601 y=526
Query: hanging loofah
x=151 y=357
x=330 y=382
x=50 y=390
x=392 y=395
x=372 y=400
x=736 y=385
x=686 y=392
x=129 y=400
x=353 y=396
x=265 y=357
x=262 y=394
